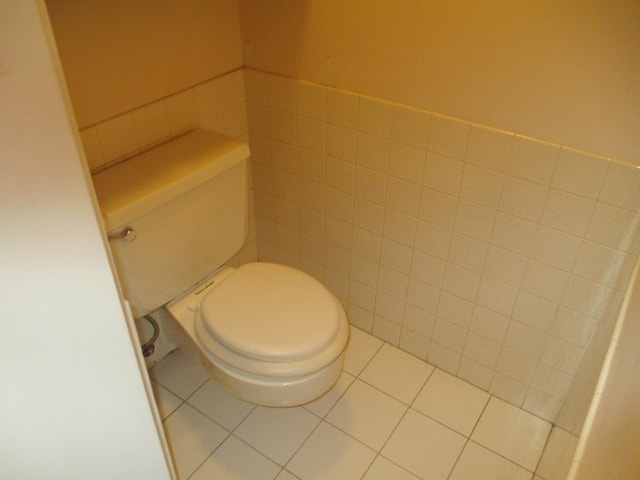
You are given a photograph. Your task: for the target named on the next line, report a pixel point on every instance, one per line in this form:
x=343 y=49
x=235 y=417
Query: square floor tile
x=362 y=347
x=191 y=437
x=451 y=401
x=322 y=405
x=367 y=414
x=219 y=405
x=284 y=475
x=478 y=463
x=178 y=375
x=277 y=432
x=166 y=401
x=397 y=373
x=330 y=454
x=424 y=447
x=235 y=460
x=383 y=469
x=512 y=433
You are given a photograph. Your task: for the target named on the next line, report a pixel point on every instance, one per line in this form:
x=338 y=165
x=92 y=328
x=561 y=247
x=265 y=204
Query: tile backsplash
x=499 y=258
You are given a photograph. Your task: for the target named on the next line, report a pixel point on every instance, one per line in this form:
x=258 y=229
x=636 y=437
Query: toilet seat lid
x=271 y=312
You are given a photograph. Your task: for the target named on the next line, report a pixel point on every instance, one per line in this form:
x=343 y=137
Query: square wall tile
x=117 y=137
x=92 y=148
x=152 y=125
x=311 y=100
x=375 y=117
x=533 y=160
x=281 y=93
x=451 y=401
x=512 y=433
x=438 y=208
x=181 y=112
x=406 y=163
x=568 y=213
x=410 y=126
x=481 y=185
x=580 y=173
x=489 y=148
x=523 y=198
x=342 y=108
x=622 y=186
x=448 y=136
x=442 y=173
x=341 y=143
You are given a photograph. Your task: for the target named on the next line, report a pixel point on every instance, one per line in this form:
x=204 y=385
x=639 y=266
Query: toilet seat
x=272 y=320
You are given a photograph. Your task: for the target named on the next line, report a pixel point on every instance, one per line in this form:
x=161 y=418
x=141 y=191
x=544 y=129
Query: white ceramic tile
x=219 y=405
x=93 y=150
x=449 y=335
x=580 y=173
x=256 y=86
x=468 y=252
x=392 y=282
x=451 y=401
x=410 y=126
x=322 y=405
x=481 y=349
x=444 y=358
x=399 y=227
x=389 y=307
x=330 y=454
x=551 y=381
x=383 y=469
x=166 y=401
x=338 y=204
x=386 y=329
x=375 y=117
x=338 y=233
x=341 y=143
x=525 y=339
x=534 y=311
x=403 y=196
x=455 y=309
x=558 y=454
x=572 y=327
x=342 y=108
x=396 y=255
x=474 y=220
x=366 y=214
x=508 y=389
x=178 y=375
x=475 y=373
x=152 y=125
x=489 y=324
x=366 y=244
x=424 y=447
x=481 y=185
x=517 y=366
x=382 y=373
x=432 y=239
x=568 y=213
x=438 y=208
x=311 y=165
x=361 y=349
x=310 y=134
x=191 y=437
x=562 y=355
x=448 y=136
x=232 y=88
x=542 y=405
x=414 y=343
x=442 y=173
x=291 y=426
x=117 y=137
x=373 y=152
x=461 y=282
x=208 y=98
x=423 y=296
x=481 y=464
x=284 y=157
x=512 y=433
x=406 y=163
x=362 y=295
x=496 y=296
x=257 y=120
x=556 y=248
x=586 y=297
x=282 y=125
x=427 y=268
x=505 y=266
x=489 y=148
x=360 y=317
x=284 y=475
x=622 y=186
x=281 y=93
x=514 y=234
x=600 y=264
x=370 y=185
x=614 y=227
x=311 y=100
x=340 y=175
x=533 y=160
x=181 y=112
x=544 y=281
x=366 y=414
x=523 y=198
x=234 y=460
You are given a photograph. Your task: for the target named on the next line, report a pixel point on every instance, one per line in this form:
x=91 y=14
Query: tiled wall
x=499 y=258
x=218 y=104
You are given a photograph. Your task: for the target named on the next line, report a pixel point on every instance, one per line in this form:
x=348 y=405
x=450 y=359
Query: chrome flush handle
x=127 y=234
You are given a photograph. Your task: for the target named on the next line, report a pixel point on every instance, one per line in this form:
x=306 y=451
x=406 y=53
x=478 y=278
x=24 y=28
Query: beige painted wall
x=119 y=54
x=564 y=71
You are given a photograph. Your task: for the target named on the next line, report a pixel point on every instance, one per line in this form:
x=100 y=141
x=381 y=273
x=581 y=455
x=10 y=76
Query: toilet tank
x=186 y=201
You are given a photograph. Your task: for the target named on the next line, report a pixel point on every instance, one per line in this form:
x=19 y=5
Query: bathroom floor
x=390 y=416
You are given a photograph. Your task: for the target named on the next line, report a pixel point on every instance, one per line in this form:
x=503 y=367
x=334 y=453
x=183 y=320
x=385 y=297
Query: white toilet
x=271 y=334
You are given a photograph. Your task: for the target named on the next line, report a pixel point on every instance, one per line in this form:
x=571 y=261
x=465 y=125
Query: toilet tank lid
x=153 y=178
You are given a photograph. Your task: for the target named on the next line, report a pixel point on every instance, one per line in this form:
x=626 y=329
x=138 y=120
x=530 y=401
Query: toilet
x=271 y=334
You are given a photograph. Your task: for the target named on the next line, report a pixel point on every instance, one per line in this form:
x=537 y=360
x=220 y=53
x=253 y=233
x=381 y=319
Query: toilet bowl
x=270 y=334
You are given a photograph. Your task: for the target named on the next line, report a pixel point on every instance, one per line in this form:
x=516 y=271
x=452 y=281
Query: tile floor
x=390 y=416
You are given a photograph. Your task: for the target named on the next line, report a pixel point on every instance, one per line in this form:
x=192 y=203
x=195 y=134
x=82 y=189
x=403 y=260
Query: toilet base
x=270 y=391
